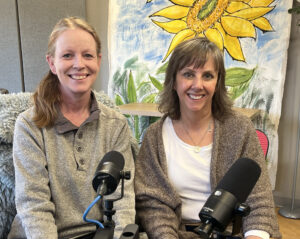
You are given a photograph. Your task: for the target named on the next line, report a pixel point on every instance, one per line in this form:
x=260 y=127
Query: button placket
x=79 y=150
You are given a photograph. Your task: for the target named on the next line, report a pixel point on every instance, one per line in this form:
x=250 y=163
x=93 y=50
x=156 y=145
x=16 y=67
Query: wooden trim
x=150 y=109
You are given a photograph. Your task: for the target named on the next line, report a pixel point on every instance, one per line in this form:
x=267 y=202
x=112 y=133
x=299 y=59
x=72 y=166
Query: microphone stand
x=205 y=230
x=109 y=225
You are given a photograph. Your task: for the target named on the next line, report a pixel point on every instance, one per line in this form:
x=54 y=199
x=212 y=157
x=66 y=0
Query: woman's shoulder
x=236 y=119
x=157 y=125
x=235 y=125
x=155 y=129
x=109 y=112
x=26 y=115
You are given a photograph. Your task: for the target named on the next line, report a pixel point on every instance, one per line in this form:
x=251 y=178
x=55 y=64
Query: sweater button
x=79 y=149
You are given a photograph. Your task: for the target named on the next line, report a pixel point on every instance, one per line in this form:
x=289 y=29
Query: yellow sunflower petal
x=236 y=6
x=260 y=3
x=172 y=12
x=263 y=24
x=252 y=13
x=178 y=38
x=215 y=36
x=238 y=27
x=174 y=26
x=200 y=35
x=186 y=3
x=244 y=1
x=232 y=44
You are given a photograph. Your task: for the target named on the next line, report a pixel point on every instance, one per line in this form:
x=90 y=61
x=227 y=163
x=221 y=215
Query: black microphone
x=227 y=199
x=108 y=173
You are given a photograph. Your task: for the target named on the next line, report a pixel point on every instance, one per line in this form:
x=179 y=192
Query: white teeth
x=194 y=97
x=78 y=77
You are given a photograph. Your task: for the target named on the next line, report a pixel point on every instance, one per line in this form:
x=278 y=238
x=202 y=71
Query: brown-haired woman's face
x=75 y=61
x=195 y=87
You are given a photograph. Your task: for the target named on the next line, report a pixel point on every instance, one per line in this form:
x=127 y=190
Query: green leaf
x=163 y=68
x=116 y=77
x=150 y=98
x=131 y=91
x=143 y=84
x=118 y=100
x=130 y=62
x=153 y=119
x=237 y=76
x=156 y=83
x=136 y=128
x=236 y=91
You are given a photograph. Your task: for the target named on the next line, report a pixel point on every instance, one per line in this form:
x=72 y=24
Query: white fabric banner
x=254 y=35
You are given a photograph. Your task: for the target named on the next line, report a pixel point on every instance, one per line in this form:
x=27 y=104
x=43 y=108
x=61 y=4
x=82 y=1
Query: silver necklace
x=197 y=148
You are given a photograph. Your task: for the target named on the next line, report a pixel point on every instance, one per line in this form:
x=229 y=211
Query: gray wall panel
x=10 y=77
x=97 y=15
x=37 y=18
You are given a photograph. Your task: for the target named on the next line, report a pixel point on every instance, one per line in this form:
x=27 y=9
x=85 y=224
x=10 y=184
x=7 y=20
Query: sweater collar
x=63 y=125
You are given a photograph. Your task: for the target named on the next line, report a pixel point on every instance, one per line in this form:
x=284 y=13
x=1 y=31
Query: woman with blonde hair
x=59 y=142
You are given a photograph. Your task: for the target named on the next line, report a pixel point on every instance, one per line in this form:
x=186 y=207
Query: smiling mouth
x=195 y=97
x=77 y=77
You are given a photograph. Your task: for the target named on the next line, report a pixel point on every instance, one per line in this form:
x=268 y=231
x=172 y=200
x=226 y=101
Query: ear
x=50 y=61
x=99 y=59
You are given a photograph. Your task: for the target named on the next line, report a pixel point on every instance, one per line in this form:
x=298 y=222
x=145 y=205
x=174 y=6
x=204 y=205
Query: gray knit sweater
x=158 y=205
x=54 y=169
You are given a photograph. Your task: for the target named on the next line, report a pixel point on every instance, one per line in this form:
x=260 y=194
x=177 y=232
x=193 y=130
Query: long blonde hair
x=47 y=95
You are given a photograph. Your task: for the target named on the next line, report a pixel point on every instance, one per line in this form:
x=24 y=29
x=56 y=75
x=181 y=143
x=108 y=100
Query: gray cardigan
x=158 y=205
x=54 y=168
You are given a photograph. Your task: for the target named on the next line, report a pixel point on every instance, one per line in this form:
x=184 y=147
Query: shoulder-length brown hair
x=47 y=95
x=195 y=52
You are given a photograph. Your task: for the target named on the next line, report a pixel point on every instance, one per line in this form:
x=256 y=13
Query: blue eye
x=208 y=76
x=67 y=55
x=188 y=74
x=88 y=55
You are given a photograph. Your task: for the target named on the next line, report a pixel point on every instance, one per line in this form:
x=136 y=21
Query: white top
x=186 y=163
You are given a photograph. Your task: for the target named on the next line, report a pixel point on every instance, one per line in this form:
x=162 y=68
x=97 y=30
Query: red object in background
x=264 y=141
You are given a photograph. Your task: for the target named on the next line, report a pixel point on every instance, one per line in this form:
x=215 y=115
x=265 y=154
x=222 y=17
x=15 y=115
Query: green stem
x=136 y=128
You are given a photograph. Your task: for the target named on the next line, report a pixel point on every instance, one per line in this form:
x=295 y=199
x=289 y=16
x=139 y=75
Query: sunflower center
x=204 y=13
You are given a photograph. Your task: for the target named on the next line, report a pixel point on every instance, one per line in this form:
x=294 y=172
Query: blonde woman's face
x=75 y=61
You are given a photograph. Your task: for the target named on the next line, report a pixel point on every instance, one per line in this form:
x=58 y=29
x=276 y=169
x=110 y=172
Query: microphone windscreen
x=113 y=157
x=241 y=178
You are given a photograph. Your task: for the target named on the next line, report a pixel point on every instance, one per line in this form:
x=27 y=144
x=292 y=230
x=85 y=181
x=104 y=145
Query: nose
x=198 y=83
x=78 y=62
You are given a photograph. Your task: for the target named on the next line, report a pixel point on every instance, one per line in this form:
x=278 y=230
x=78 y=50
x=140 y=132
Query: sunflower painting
x=253 y=35
x=222 y=22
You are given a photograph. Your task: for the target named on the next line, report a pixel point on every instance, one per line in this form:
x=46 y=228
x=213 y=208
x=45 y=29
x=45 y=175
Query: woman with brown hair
x=59 y=142
x=186 y=153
